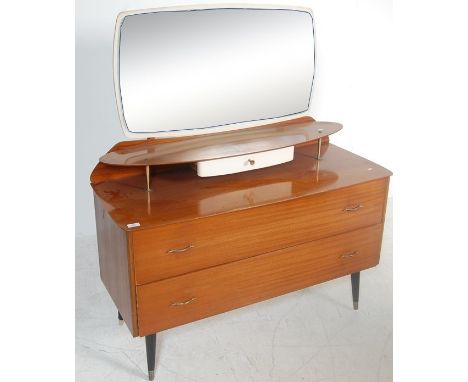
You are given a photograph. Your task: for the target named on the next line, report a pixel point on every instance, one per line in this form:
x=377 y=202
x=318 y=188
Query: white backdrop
x=354 y=74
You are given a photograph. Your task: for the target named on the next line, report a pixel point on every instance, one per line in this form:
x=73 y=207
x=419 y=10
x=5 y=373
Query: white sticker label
x=133 y=225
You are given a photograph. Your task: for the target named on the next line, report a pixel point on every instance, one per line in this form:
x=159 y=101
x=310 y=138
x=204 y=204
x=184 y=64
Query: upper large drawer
x=180 y=248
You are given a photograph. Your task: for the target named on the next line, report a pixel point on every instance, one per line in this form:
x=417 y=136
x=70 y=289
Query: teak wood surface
x=116 y=266
x=105 y=173
x=178 y=194
x=179 y=300
x=222 y=145
x=284 y=227
x=179 y=248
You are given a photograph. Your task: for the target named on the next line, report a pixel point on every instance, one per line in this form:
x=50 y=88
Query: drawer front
x=248 y=162
x=181 y=248
x=179 y=300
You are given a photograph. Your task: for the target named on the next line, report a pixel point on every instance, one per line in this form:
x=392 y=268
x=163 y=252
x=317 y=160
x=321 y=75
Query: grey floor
x=311 y=335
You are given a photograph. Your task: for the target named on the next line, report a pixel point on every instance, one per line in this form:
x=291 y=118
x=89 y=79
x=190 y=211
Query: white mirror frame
x=183 y=133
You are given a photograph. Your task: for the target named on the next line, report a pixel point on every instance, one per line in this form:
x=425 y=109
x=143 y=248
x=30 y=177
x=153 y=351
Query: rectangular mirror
x=197 y=71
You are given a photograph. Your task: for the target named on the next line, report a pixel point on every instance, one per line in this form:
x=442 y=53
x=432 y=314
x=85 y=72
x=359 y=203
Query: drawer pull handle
x=350 y=254
x=353 y=208
x=182 y=303
x=179 y=250
x=251 y=162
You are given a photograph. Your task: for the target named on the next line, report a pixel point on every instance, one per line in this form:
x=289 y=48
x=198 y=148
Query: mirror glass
x=211 y=68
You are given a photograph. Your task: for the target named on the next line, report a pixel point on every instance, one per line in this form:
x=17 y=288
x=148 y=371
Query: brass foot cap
x=151 y=375
x=355 y=305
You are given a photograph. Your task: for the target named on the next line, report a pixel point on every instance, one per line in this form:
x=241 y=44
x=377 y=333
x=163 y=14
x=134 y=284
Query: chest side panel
x=115 y=266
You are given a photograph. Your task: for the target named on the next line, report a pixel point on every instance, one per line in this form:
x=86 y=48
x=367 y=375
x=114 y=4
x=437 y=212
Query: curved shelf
x=222 y=145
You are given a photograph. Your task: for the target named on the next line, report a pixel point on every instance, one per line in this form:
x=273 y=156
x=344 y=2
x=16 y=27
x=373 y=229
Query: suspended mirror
x=198 y=71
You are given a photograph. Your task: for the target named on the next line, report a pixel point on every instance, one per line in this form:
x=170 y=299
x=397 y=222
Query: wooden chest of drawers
x=195 y=247
x=175 y=301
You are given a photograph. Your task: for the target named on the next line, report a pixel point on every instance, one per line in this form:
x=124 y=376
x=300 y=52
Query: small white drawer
x=247 y=162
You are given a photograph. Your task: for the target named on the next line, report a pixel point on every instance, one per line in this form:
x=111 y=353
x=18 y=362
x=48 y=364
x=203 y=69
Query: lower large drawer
x=182 y=299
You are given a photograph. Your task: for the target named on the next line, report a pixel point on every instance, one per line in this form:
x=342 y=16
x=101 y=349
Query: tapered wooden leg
x=120 y=318
x=355 y=286
x=151 y=354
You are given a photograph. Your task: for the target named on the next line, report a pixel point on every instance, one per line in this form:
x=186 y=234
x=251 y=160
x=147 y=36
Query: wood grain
x=105 y=172
x=255 y=235
x=180 y=195
x=116 y=266
x=237 y=235
x=224 y=144
x=226 y=287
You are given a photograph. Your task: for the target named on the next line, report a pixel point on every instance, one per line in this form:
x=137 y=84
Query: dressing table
x=204 y=246
x=190 y=226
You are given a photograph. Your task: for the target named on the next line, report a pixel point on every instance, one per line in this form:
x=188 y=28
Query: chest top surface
x=178 y=194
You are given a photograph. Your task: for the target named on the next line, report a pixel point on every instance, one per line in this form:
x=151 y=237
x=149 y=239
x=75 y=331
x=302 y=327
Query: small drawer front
x=179 y=300
x=247 y=162
x=180 y=248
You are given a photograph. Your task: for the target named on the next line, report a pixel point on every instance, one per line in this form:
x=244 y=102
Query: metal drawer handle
x=251 y=162
x=350 y=254
x=179 y=250
x=183 y=302
x=353 y=208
